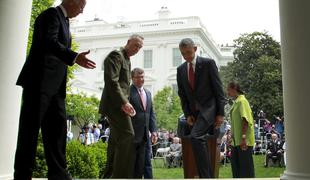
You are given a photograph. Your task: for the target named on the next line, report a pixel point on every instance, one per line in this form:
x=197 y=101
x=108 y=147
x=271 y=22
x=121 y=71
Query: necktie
x=191 y=76
x=142 y=99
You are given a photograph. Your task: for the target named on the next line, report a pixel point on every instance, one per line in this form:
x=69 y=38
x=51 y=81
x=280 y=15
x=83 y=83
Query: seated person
x=69 y=135
x=274 y=149
x=223 y=149
x=86 y=137
x=258 y=147
x=96 y=133
x=106 y=134
x=174 y=156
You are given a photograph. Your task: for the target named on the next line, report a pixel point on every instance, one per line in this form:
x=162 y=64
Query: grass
x=225 y=171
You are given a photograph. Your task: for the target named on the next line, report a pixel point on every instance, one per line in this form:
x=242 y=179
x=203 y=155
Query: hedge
x=83 y=161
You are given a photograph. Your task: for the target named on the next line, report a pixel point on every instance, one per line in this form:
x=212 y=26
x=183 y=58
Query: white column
x=14 y=19
x=295 y=49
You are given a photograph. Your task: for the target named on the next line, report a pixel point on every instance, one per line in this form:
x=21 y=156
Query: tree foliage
x=168 y=109
x=257 y=68
x=82 y=108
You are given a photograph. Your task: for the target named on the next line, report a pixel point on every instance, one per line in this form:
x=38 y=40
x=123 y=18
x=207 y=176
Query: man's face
x=138 y=80
x=133 y=46
x=76 y=8
x=176 y=141
x=274 y=137
x=188 y=53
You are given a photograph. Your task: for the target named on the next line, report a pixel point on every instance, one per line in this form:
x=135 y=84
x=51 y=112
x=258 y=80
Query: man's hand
x=83 y=61
x=218 y=121
x=243 y=145
x=128 y=109
x=190 y=120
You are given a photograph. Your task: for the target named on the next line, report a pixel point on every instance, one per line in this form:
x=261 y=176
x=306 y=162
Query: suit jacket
x=274 y=146
x=208 y=96
x=117 y=76
x=46 y=66
x=144 y=120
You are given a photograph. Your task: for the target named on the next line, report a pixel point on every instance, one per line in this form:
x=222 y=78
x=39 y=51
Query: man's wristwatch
x=243 y=136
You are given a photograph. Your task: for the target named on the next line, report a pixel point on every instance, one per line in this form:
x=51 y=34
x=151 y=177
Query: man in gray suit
x=202 y=99
x=143 y=122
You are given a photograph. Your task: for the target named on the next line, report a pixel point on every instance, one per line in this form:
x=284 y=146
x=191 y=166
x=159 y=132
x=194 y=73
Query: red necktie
x=191 y=76
x=142 y=99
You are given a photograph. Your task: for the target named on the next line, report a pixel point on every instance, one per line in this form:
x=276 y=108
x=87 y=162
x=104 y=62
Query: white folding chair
x=161 y=154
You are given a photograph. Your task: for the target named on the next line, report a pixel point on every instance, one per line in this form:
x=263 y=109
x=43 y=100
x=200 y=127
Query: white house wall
x=160 y=36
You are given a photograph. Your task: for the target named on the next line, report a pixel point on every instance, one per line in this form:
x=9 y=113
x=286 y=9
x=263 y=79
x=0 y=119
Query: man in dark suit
x=43 y=79
x=143 y=122
x=274 y=150
x=116 y=107
x=202 y=99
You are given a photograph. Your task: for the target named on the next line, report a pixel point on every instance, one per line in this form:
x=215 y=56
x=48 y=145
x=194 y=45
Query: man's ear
x=195 y=48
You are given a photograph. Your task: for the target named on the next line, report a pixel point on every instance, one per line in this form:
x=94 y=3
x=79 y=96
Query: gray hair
x=136 y=71
x=136 y=36
x=187 y=42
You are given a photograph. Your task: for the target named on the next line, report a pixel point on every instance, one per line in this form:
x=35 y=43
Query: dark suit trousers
x=200 y=147
x=242 y=162
x=138 y=156
x=47 y=112
x=148 y=173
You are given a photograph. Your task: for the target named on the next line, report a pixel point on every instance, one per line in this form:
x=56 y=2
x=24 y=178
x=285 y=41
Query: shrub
x=40 y=167
x=83 y=161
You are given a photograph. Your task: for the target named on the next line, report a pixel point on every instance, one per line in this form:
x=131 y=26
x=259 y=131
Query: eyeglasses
x=138 y=77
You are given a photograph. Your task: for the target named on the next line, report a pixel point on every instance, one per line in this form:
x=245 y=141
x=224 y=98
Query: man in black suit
x=274 y=150
x=43 y=79
x=202 y=99
x=143 y=122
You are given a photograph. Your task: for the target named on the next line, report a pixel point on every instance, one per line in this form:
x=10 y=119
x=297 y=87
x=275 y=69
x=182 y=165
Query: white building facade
x=159 y=56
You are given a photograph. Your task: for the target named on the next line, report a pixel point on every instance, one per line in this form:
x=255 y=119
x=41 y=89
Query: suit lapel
x=198 y=69
x=148 y=97
x=138 y=98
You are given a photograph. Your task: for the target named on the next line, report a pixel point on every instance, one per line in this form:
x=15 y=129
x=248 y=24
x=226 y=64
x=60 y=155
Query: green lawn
x=225 y=171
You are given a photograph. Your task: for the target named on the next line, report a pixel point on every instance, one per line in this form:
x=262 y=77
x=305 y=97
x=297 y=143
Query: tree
x=82 y=108
x=167 y=108
x=257 y=68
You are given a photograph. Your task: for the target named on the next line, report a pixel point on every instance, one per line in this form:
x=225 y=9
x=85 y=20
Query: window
x=148 y=58
x=177 y=58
